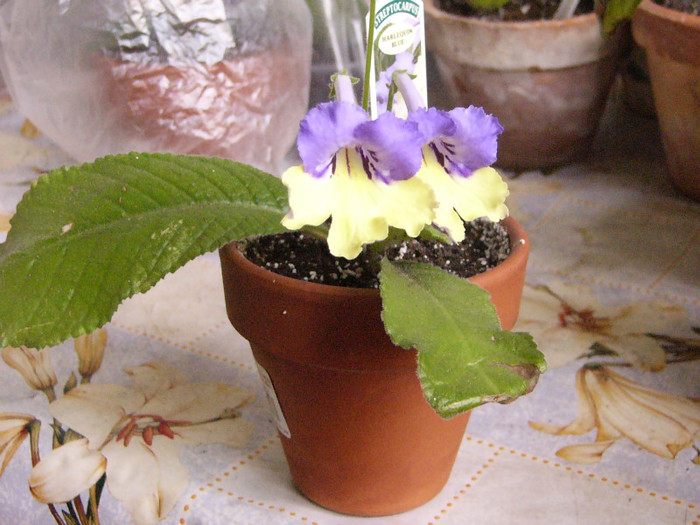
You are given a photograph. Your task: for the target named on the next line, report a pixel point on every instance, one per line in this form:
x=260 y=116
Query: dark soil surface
x=515 y=10
x=686 y=6
x=302 y=256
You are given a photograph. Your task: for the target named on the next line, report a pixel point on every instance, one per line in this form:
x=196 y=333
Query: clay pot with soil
x=671 y=39
x=355 y=426
x=547 y=81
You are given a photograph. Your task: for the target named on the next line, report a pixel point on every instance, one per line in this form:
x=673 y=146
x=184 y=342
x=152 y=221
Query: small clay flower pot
x=546 y=81
x=671 y=40
x=358 y=434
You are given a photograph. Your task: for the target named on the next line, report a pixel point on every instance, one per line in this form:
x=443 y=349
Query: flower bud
x=13 y=430
x=34 y=365
x=90 y=349
x=66 y=472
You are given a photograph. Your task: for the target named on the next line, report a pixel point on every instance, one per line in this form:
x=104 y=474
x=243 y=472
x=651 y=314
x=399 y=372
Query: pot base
x=357 y=463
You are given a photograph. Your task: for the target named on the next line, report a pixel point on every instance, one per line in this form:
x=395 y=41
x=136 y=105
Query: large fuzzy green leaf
x=464 y=358
x=85 y=238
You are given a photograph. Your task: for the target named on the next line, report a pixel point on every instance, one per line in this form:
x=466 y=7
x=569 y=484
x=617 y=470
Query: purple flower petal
x=474 y=143
x=326 y=129
x=433 y=124
x=390 y=147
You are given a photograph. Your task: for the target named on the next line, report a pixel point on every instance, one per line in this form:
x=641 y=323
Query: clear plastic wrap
x=339 y=43
x=211 y=77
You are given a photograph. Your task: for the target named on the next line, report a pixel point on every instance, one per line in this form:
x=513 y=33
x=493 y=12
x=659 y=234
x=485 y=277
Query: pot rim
x=666 y=12
x=580 y=20
x=528 y=46
x=667 y=34
x=518 y=256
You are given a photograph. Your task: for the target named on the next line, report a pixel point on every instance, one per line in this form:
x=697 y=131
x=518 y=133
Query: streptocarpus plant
x=84 y=238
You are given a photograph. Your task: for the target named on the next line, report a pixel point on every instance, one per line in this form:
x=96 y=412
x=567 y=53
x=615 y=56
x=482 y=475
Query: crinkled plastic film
x=339 y=43
x=207 y=77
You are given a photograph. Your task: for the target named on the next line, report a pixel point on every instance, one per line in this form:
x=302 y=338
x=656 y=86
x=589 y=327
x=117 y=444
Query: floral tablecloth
x=608 y=436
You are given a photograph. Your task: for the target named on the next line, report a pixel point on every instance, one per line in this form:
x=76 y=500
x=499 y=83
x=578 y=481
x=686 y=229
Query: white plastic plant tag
x=271 y=395
x=398 y=45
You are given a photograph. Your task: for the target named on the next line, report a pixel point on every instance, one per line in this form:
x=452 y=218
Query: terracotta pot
x=244 y=108
x=361 y=437
x=671 y=40
x=546 y=81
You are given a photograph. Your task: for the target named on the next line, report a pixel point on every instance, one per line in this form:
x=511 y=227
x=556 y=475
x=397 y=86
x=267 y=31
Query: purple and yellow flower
x=458 y=148
x=359 y=172
x=368 y=175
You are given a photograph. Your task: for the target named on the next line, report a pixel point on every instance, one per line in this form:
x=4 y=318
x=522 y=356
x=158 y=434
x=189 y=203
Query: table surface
x=609 y=235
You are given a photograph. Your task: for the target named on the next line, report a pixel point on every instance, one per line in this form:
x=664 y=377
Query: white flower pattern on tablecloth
x=140 y=432
x=131 y=435
x=33 y=365
x=566 y=321
x=569 y=323
x=617 y=408
x=14 y=428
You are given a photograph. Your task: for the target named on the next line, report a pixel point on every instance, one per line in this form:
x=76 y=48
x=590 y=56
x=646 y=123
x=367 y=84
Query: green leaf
x=464 y=358
x=616 y=12
x=431 y=233
x=85 y=238
x=488 y=5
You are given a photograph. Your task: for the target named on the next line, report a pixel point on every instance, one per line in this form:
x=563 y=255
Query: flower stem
x=566 y=9
x=81 y=511
x=368 y=54
x=411 y=95
x=390 y=98
x=33 y=429
x=50 y=394
x=92 y=508
x=342 y=84
x=58 y=434
x=71 y=511
x=55 y=514
x=320 y=232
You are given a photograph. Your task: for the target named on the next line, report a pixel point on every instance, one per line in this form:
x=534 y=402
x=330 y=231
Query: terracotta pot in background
x=361 y=437
x=546 y=81
x=244 y=108
x=671 y=40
